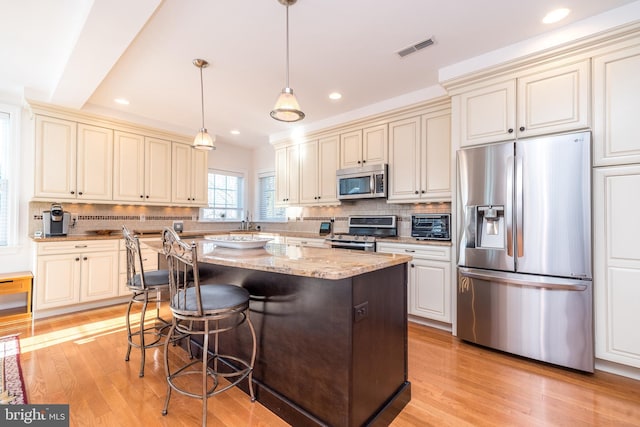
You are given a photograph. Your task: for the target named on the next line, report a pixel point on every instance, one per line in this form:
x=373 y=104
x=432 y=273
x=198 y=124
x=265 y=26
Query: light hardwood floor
x=79 y=359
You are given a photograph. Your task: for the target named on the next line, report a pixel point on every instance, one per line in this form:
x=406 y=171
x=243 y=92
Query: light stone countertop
x=321 y=263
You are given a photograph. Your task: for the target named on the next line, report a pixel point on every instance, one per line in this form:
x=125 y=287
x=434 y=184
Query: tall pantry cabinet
x=616 y=176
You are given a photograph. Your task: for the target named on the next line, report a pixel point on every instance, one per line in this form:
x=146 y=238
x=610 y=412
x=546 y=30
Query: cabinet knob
x=364 y=161
x=416 y=191
x=80 y=193
x=510 y=130
x=73 y=192
x=77 y=259
x=412 y=265
x=359 y=162
x=521 y=128
x=318 y=197
x=84 y=258
x=147 y=196
x=141 y=196
x=423 y=191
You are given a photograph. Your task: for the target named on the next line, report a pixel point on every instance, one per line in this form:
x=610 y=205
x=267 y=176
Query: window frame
x=13 y=170
x=241 y=196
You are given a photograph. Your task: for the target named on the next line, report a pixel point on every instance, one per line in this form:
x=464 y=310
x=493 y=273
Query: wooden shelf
x=16 y=283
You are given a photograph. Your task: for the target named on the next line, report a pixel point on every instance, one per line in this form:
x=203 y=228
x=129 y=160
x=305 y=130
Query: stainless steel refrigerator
x=524 y=266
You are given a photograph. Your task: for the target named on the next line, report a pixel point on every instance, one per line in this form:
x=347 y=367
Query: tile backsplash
x=93 y=217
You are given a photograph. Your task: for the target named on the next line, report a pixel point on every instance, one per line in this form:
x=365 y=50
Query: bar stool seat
x=205 y=309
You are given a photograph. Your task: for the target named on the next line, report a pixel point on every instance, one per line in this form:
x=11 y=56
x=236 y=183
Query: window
x=8 y=197
x=267 y=210
x=226 y=197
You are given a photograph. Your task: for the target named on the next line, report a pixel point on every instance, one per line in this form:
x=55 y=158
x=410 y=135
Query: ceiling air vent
x=416 y=47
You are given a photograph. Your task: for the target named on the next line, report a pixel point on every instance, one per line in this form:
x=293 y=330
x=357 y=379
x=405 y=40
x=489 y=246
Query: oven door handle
x=351 y=245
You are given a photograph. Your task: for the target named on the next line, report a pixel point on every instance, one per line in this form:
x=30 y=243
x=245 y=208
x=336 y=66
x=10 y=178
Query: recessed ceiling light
x=555 y=16
x=122 y=101
x=335 y=95
x=235 y=132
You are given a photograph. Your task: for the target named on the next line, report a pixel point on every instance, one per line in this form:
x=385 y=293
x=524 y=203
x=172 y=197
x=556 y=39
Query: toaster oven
x=431 y=226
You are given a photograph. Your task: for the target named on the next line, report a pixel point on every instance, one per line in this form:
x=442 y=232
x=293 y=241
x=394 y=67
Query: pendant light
x=287 y=108
x=203 y=140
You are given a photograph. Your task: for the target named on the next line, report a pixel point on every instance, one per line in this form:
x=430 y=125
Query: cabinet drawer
x=14 y=286
x=437 y=253
x=76 y=246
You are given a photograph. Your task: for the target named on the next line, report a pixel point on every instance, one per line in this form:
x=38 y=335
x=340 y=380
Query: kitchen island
x=331 y=327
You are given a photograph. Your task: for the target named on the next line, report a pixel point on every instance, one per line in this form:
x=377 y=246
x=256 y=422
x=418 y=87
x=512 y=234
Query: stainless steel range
x=364 y=231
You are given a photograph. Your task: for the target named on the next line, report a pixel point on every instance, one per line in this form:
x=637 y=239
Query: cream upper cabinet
x=617 y=263
x=420 y=158
x=287 y=175
x=616 y=102
x=544 y=100
x=55 y=171
x=363 y=146
x=73 y=161
x=94 y=174
x=318 y=165
x=189 y=175
x=142 y=169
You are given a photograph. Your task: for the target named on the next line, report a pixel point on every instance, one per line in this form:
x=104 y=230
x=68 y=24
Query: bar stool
x=145 y=287
x=204 y=309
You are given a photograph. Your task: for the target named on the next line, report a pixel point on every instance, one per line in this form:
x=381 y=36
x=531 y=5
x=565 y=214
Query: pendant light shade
x=287 y=108
x=202 y=141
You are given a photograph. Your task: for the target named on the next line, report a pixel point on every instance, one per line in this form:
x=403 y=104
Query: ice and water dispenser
x=485 y=228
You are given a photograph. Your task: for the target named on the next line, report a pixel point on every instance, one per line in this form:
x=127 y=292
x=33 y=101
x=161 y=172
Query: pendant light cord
x=202 y=96
x=287 y=33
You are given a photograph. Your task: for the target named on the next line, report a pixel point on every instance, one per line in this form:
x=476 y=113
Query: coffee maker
x=56 y=221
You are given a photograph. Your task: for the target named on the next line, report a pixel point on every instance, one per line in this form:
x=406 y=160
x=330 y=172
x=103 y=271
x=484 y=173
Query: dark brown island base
x=331 y=327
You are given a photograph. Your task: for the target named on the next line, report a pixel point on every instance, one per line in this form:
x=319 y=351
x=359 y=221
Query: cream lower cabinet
x=429 y=277
x=420 y=158
x=189 y=175
x=318 y=165
x=75 y=271
x=617 y=263
x=543 y=100
x=305 y=242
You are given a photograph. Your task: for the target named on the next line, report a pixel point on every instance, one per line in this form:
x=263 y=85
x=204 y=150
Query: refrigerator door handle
x=519 y=204
x=542 y=282
x=508 y=214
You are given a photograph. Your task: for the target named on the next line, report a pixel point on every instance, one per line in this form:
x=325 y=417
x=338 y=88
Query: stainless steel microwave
x=366 y=182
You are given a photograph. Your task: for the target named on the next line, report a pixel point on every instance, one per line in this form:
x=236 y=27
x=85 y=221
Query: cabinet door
x=374 y=144
x=328 y=157
x=555 y=100
x=181 y=171
x=157 y=167
x=282 y=176
x=309 y=172
x=404 y=159
x=128 y=177
x=293 y=175
x=57 y=281
x=430 y=290
x=199 y=177
x=436 y=167
x=55 y=174
x=488 y=114
x=617 y=264
x=351 y=149
x=99 y=277
x=616 y=102
x=94 y=163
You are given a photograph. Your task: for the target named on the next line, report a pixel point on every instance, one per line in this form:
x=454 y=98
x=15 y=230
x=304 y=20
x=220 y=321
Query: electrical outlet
x=360 y=311
x=143 y=218
x=178 y=226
